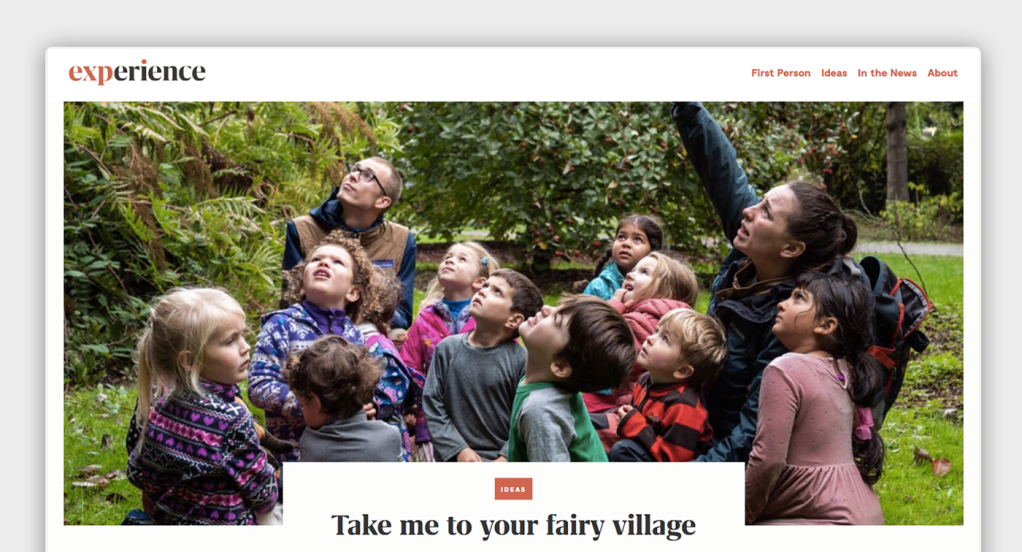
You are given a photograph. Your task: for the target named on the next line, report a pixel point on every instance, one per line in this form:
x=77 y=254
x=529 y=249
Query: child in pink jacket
x=659 y=283
x=462 y=272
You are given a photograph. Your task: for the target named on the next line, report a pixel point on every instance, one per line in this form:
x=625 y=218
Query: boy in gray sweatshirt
x=473 y=377
x=332 y=379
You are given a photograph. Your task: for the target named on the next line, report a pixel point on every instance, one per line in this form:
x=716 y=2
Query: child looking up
x=332 y=380
x=635 y=237
x=461 y=274
x=400 y=387
x=581 y=345
x=472 y=380
x=357 y=207
x=659 y=283
x=198 y=458
x=326 y=289
x=816 y=454
x=667 y=420
x=794 y=228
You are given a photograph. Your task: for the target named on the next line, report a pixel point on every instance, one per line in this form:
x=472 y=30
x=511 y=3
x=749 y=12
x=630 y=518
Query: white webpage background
x=504 y=74
x=32 y=29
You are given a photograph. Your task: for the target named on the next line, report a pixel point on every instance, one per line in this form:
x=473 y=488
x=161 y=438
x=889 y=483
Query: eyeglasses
x=365 y=176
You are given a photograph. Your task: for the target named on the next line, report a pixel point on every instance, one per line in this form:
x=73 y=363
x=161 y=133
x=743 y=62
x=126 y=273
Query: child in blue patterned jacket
x=326 y=290
x=400 y=386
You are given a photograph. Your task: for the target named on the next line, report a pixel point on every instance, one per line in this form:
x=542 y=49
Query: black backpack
x=901 y=306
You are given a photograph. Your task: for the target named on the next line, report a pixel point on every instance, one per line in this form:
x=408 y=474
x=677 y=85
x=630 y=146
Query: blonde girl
x=462 y=272
x=198 y=458
x=659 y=283
x=328 y=289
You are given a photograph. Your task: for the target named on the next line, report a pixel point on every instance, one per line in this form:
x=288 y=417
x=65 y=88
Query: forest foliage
x=160 y=195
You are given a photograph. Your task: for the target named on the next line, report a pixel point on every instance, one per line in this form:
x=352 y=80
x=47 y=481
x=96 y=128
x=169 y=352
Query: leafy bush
x=936 y=146
x=553 y=177
x=186 y=194
x=929 y=219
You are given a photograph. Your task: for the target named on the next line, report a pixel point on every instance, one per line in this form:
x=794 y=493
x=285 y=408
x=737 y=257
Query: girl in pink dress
x=816 y=455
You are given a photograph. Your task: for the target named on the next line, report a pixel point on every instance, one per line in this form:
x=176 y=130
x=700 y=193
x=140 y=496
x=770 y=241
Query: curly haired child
x=400 y=387
x=328 y=290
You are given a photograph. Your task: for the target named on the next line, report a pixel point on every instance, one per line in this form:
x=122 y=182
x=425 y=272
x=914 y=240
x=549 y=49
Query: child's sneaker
x=137 y=517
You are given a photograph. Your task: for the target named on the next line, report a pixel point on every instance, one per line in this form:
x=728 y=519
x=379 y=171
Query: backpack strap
x=853 y=270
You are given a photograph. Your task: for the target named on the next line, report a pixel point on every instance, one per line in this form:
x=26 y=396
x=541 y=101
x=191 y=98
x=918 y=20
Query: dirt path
x=941 y=249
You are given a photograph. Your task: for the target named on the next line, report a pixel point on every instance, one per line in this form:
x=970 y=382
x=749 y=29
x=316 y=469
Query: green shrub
x=929 y=219
x=161 y=195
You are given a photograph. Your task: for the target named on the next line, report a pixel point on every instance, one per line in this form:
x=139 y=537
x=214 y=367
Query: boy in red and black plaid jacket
x=667 y=420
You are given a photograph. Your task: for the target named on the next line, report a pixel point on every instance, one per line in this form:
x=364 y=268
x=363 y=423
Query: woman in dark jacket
x=796 y=227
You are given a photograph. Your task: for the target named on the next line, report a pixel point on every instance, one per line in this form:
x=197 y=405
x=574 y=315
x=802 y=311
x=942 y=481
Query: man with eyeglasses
x=369 y=188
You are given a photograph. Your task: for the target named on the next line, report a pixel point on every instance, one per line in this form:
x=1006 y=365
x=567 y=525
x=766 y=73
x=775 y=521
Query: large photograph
x=249 y=284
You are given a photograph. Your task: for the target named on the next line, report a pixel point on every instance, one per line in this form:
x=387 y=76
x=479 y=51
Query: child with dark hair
x=583 y=344
x=667 y=420
x=792 y=229
x=635 y=237
x=472 y=380
x=332 y=380
x=400 y=387
x=816 y=454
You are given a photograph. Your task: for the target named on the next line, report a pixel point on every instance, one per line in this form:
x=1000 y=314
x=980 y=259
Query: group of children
x=487 y=373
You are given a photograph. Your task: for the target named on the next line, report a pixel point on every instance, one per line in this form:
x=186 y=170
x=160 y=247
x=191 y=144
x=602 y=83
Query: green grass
x=873 y=230
x=467 y=234
x=942 y=277
x=95 y=424
x=909 y=492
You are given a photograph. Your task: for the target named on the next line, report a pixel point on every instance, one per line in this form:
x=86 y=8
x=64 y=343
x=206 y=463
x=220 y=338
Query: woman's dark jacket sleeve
x=751 y=344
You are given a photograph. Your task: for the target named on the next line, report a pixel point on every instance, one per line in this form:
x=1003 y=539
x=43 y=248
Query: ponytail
x=820 y=224
x=851 y=304
x=145 y=381
x=488 y=265
x=185 y=319
x=867 y=445
x=851 y=231
x=602 y=262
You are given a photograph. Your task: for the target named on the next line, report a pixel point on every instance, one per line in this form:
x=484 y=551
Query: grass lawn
x=96 y=420
x=909 y=492
x=95 y=424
